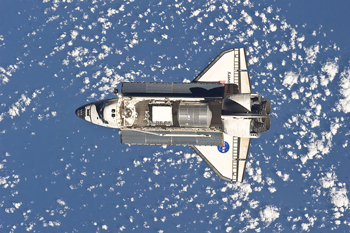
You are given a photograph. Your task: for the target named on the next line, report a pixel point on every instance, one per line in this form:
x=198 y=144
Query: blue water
x=61 y=174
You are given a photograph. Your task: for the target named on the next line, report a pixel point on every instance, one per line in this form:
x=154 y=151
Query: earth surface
x=59 y=173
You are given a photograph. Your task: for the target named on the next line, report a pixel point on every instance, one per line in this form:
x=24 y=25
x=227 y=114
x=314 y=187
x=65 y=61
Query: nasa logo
x=225 y=148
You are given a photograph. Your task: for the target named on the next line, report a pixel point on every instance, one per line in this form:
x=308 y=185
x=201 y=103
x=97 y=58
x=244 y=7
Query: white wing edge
x=245 y=86
x=230 y=165
x=244 y=144
x=242 y=59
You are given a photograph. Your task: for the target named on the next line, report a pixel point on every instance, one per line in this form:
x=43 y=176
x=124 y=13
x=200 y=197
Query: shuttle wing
x=227 y=161
x=230 y=66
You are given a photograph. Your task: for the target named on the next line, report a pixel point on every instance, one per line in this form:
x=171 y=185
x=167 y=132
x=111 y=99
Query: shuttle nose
x=80 y=112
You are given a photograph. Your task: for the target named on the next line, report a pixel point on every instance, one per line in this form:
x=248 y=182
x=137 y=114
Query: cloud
x=290 y=78
x=339 y=198
x=344 y=103
x=331 y=68
x=269 y=214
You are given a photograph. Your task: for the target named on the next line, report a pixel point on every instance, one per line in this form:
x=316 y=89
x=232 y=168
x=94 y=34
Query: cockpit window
x=100 y=105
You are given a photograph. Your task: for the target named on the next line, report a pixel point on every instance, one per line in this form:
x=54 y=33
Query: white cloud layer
x=269 y=214
x=344 y=102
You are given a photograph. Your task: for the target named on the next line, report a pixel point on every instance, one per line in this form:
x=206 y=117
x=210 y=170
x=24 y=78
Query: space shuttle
x=216 y=114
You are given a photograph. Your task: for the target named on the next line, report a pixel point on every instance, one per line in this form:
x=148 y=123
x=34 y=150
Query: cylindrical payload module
x=194 y=115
